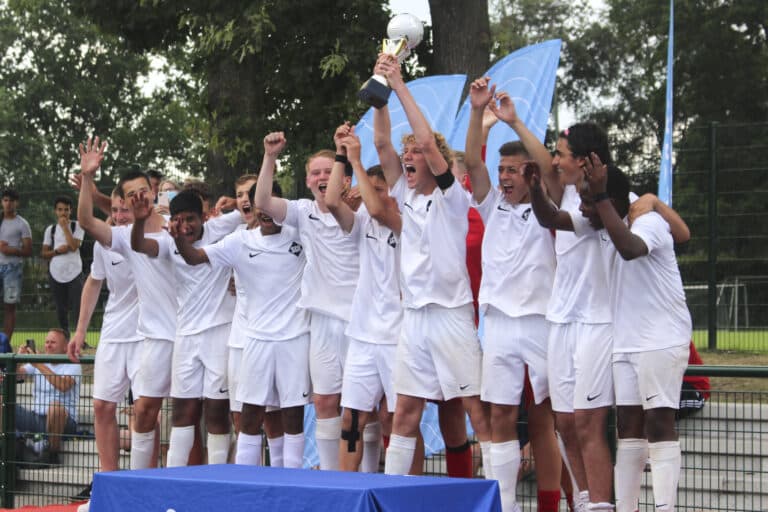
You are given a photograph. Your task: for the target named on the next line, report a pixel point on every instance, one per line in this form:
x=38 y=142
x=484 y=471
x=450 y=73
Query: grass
x=743 y=340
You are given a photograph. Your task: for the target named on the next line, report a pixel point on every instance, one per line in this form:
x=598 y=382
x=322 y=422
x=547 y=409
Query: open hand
x=596 y=174
x=91 y=155
x=505 y=110
x=532 y=174
x=480 y=93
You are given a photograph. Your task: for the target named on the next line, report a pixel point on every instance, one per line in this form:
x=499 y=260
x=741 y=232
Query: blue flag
x=665 y=171
x=528 y=76
x=438 y=98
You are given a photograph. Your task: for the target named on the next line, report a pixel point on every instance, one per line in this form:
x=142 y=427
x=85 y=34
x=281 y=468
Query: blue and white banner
x=665 y=171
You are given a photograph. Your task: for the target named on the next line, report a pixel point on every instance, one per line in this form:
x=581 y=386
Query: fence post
x=8 y=434
x=712 y=242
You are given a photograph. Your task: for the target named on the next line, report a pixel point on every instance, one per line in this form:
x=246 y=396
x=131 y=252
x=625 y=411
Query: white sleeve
x=293 y=209
x=486 y=206
x=457 y=198
x=120 y=239
x=581 y=225
x=653 y=230
x=97 y=267
x=361 y=217
x=223 y=252
x=165 y=245
x=47 y=237
x=398 y=191
x=79 y=234
x=223 y=225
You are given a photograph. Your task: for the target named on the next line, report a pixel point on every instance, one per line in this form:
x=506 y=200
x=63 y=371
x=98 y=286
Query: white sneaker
x=85 y=507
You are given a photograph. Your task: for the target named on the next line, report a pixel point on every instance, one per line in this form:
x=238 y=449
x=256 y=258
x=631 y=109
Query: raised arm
x=649 y=202
x=191 y=254
x=91 y=157
x=142 y=209
x=480 y=95
x=382 y=139
x=88 y=300
x=275 y=207
x=425 y=138
x=548 y=215
x=506 y=112
x=101 y=200
x=334 y=194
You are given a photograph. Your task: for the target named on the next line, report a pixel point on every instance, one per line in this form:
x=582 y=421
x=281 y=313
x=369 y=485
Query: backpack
x=72 y=226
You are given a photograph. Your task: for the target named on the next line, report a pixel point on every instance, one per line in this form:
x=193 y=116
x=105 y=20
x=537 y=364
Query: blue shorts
x=28 y=421
x=11 y=275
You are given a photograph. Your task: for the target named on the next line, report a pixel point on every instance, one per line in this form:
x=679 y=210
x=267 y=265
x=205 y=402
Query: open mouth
x=246 y=209
x=265 y=218
x=507 y=189
x=409 y=168
x=322 y=187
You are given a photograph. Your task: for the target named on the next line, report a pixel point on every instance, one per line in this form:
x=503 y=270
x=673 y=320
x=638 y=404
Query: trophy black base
x=374 y=93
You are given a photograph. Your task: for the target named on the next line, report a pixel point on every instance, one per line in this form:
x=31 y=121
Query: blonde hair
x=323 y=153
x=442 y=145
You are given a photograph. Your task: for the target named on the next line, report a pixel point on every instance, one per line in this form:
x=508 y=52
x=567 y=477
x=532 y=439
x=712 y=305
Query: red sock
x=569 y=499
x=385 y=441
x=458 y=460
x=549 y=501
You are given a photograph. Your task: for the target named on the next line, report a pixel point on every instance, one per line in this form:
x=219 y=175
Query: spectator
x=55 y=395
x=15 y=243
x=61 y=245
x=155 y=177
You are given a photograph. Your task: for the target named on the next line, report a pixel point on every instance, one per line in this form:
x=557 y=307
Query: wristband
x=600 y=196
x=445 y=180
x=341 y=159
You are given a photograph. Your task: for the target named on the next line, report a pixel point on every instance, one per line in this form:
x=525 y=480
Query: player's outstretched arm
x=425 y=138
x=91 y=156
x=628 y=245
x=650 y=203
x=275 y=207
x=382 y=139
x=191 y=254
x=548 y=215
x=142 y=210
x=88 y=299
x=101 y=200
x=334 y=194
x=481 y=93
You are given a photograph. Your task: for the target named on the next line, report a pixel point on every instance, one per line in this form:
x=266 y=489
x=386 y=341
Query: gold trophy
x=405 y=32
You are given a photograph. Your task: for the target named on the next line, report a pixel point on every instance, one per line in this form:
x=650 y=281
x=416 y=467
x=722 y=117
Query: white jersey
x=330 y=277
x=155 y=285
x=434 y=247
x=64 y=267
x=647 y=296
x=122 y=310
x=518 y=258
x=202 y=291
x=580 y=290
x=271 y=268
x=239 y=318
x=377 y=310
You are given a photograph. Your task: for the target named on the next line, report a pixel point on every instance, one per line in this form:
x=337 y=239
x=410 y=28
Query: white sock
x=371 y=448
x=399 y=455
x=505 y=463
x=485 y=454
x=218 y=448
x=564 y=456
x=581 y=501
x=327 y=436
x=603 y=505
x=249 y=449
x=142 y=445
x=293 y=450
x=275 y=451
x=665 y=473
x=631 y=455
x=182 y=439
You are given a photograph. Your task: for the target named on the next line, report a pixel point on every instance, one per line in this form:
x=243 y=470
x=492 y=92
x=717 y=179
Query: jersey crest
x=527 y=213
x=392 y=241
x=295 y=249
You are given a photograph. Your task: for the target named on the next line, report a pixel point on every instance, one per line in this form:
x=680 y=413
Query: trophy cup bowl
x=405 y=32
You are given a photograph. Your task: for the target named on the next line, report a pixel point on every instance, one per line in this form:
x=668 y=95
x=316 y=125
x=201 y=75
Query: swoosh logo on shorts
x=465 y=386
x=312 y=217
x=223 y=390
x=649 y=398
x=590 y=398
x=116 y=263
x=305 y=394
x=253 y=254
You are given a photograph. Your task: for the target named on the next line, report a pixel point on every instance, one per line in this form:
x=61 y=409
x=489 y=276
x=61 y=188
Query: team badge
x=526 y=214
x=295 y=249
x=391 y=240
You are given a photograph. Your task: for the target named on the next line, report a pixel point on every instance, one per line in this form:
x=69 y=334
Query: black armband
x=445 y=180
x=601 y=196
x=341 y=159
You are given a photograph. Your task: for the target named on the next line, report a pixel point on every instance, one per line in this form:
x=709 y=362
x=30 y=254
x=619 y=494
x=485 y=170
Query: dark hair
x=618 y=189
x=63 y=332
x=186 y=201
x=66 y=200
x=155 y=174
x=130 y=176
x=200 y=188
x=11 y=193
x=376 y=171
x=513 y=149
x=586 y=138
x=277 y=191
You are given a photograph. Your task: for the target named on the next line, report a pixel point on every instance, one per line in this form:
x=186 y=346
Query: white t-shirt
x=377 y=310
x=202 y=291
x=239 y=318
x=14 y=231
x=43 y=392
x=64 y=267
x=434 y=247
x=647 y=296
x=122 y=310
x=155 y=285
x=580 y=290
x=271 y=268
x=330 y=277
x=518 y=258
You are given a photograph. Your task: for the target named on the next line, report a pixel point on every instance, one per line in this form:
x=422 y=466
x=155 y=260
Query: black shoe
x=83 y=495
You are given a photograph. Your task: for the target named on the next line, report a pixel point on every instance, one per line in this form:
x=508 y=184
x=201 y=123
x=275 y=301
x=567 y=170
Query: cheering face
x=137 y=186
x=190 y=225
x=318 y=174
x=570 y=166
x=266 y=224
x=587 y=207
x=121 y=214
x=244 y=203
x=417 y=173
x=511 y=182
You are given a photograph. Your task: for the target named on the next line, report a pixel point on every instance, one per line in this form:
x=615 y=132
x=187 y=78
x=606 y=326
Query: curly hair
x=442 y=145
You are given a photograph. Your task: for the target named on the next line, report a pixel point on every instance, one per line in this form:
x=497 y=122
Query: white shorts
x=652 y=379
x=509 y=344
x=233 y=377
x=275 y=373
x=327 y=352
x=154 y=377
x=438 y=356
x=115 y=369
x=579 y=365
x=368 y=376
x=200 y=365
